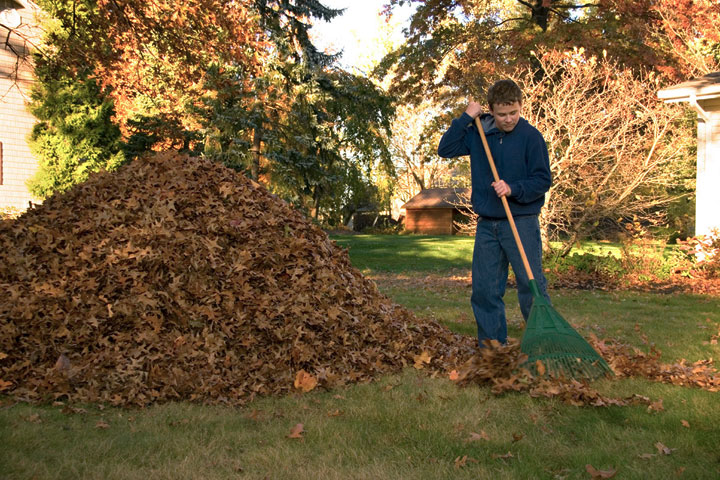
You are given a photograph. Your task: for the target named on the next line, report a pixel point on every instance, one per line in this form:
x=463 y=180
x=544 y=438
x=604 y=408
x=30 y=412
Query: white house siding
x=16 y=78
x=707 y=214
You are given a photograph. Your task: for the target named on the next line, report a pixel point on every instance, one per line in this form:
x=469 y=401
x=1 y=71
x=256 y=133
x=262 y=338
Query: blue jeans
x=495 y=247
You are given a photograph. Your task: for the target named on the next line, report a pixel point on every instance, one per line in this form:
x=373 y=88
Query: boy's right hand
x=473 y=109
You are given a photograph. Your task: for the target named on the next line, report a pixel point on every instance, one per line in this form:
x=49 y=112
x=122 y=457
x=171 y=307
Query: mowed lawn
x=409 y=426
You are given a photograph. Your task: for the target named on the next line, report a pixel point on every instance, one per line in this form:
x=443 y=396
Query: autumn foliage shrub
x=705 y=249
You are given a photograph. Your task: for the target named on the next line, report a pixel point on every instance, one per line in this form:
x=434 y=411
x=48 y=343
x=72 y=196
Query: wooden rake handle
x=479 y=126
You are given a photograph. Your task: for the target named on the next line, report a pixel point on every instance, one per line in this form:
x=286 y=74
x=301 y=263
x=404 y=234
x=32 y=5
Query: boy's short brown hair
x=504 y=92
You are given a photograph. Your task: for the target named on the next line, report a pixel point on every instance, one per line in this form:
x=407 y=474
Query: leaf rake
x=553 y=347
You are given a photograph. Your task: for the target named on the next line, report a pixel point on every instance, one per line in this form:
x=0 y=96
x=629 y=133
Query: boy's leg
x=529 y=230
x=489 y=278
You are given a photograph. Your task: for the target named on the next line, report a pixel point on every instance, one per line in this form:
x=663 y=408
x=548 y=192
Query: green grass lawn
x=427 y=253
x=408 y=426
x=407 y=253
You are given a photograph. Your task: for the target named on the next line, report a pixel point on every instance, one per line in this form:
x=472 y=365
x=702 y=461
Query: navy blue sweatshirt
x=521 y=158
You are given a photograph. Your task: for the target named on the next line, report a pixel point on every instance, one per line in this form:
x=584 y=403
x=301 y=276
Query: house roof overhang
x=700 y=88
x=703 y=88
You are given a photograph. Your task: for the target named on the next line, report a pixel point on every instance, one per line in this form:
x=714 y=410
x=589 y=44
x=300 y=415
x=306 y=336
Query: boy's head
x=504 y=92
x=505 y=102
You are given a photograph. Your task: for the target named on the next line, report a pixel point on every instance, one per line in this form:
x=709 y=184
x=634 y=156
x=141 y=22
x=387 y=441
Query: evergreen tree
x=75 y=134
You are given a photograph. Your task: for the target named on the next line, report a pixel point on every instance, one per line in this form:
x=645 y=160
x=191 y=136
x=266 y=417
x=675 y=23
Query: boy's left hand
x=502 y=189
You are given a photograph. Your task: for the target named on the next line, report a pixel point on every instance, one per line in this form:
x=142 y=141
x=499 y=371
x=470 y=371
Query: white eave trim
x=674 y=96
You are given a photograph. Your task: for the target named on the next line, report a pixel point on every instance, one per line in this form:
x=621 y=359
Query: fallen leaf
x=304 y=381
x=34 y=418
x=505 y=455
x=646 y=456
x=334 y=413
x=422 y=359
x=102 y=424
x=454 y=375
x=663 y=449
x=540 y=368
x=255 y=415
x=67 y=409
x=460 y=462
x=4 y=385
x=656 y=406
x=685 y=423
x=478 y=436
x=297 y=431
x=517 y=437
x=599 y=474
x=3 y=356
x=62 y=364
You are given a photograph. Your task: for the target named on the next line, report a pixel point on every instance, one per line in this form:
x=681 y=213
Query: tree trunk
x=316 y=202
x=256 y=149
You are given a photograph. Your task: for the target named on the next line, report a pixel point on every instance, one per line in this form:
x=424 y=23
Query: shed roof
x=704 y=87
x=437 y=198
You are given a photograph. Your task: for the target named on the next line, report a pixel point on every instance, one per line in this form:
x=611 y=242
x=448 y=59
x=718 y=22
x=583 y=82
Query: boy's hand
x=502 y=189
x=473 y=109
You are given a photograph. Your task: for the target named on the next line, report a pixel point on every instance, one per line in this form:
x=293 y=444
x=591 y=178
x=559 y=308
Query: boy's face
x=506 y=115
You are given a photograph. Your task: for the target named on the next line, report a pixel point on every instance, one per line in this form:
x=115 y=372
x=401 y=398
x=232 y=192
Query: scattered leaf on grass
x=596 y=474
x=646 y=456
x=517 y=437
x=297 y=431
x=68 y=409
x=102 y=425
x=454 y=376
x=663 y=449
x=685 y=423
x=504 y=455
x=656 y=406
x=460 y=462
x=255 y=415
x=478 y=436
x=334 y=413
x=34 y=418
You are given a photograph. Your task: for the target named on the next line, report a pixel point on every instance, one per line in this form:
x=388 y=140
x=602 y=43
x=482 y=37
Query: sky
x=358 y=31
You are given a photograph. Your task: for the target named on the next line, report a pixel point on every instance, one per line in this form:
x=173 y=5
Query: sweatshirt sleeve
x=539 y=178
x=452 y=143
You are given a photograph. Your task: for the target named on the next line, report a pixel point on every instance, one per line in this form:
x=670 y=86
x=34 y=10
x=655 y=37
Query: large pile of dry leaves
x=177 y=278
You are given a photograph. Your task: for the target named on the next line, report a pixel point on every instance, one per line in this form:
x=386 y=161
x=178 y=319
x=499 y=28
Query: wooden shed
x=434 y=211
x=703 y=94
x=18 y=28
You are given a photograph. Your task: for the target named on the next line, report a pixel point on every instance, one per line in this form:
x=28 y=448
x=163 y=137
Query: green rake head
x=563 y=352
